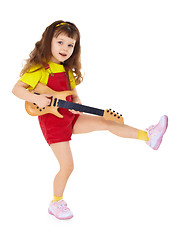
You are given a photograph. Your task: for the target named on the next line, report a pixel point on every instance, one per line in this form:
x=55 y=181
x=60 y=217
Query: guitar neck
x=79 y=107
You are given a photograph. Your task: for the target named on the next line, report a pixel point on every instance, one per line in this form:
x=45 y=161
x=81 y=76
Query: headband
x=62 y=24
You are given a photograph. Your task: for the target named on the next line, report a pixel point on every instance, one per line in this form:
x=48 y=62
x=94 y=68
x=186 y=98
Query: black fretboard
x=79 y=107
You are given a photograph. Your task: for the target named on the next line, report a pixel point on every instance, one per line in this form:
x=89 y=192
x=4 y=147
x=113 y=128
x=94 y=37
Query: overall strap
x=45 y=65
x=67 y=75
x=47 y=68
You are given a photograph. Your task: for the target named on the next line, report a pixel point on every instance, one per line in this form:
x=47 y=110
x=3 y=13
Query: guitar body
x=58 y=99
x=33 y=110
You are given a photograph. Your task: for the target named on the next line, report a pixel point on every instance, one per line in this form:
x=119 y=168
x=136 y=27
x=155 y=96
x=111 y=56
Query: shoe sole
x=164 y=121
x=69 y=217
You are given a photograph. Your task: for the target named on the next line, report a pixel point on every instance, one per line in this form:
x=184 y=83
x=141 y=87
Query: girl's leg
x=63 y=153
x=153 y=135
x=88 y=123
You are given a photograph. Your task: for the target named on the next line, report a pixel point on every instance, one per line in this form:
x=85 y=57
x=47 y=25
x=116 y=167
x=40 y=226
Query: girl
x=55 y=62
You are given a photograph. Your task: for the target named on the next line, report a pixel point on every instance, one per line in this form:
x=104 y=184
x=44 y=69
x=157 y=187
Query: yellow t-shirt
x=39 y=74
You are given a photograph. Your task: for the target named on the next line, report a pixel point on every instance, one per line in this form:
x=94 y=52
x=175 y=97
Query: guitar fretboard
x=80 y=108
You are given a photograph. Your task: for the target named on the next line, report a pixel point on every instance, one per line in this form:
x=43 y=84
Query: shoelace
x=64 y=207
x=149 y=130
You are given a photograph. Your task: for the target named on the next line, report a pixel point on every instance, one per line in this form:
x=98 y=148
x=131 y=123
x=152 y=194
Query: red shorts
x=53 y=128
x=57 y=129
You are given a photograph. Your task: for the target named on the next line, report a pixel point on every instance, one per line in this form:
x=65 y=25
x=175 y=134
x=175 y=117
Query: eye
x=60 y=42
x=70 y=45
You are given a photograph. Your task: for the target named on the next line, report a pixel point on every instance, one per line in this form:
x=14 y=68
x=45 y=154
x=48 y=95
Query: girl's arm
x=75 y=99
x=20 y=91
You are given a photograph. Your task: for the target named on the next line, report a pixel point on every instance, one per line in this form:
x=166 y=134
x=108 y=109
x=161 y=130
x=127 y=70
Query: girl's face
x=62 y=48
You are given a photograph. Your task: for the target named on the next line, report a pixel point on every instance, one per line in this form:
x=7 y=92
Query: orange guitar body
x=33 y=110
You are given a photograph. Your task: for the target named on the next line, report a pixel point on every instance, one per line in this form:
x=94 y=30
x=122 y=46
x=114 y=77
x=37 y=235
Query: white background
x=138 y=58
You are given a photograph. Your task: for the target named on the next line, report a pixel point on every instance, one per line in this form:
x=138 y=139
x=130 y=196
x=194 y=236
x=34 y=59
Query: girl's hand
x=76 y=100
x=43 y=100
x=20 y=91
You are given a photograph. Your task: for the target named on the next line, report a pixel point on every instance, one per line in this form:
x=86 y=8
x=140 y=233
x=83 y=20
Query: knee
x=105 y=124
x=67 y=169
x=71 y=168
x=108 y=125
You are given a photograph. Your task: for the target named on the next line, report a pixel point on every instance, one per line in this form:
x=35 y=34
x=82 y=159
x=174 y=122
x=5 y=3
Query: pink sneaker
x=155 y=133
x=60 y=210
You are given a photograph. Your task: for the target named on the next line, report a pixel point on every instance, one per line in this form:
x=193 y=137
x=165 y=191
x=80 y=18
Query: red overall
x=58 y=129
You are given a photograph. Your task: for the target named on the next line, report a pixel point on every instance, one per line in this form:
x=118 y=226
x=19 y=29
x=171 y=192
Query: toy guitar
x=57 y=101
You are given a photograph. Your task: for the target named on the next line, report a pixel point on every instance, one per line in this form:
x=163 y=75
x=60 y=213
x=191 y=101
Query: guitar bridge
x=55 y=101
x=50 y=102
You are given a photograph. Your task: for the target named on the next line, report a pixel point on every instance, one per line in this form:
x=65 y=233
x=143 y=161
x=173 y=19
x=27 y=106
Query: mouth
x=63 y=54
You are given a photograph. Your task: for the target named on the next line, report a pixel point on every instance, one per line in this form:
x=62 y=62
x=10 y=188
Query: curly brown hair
x=42 y=52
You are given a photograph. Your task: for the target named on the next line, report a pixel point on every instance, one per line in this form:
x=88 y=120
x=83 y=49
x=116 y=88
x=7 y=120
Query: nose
x=65 y=48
